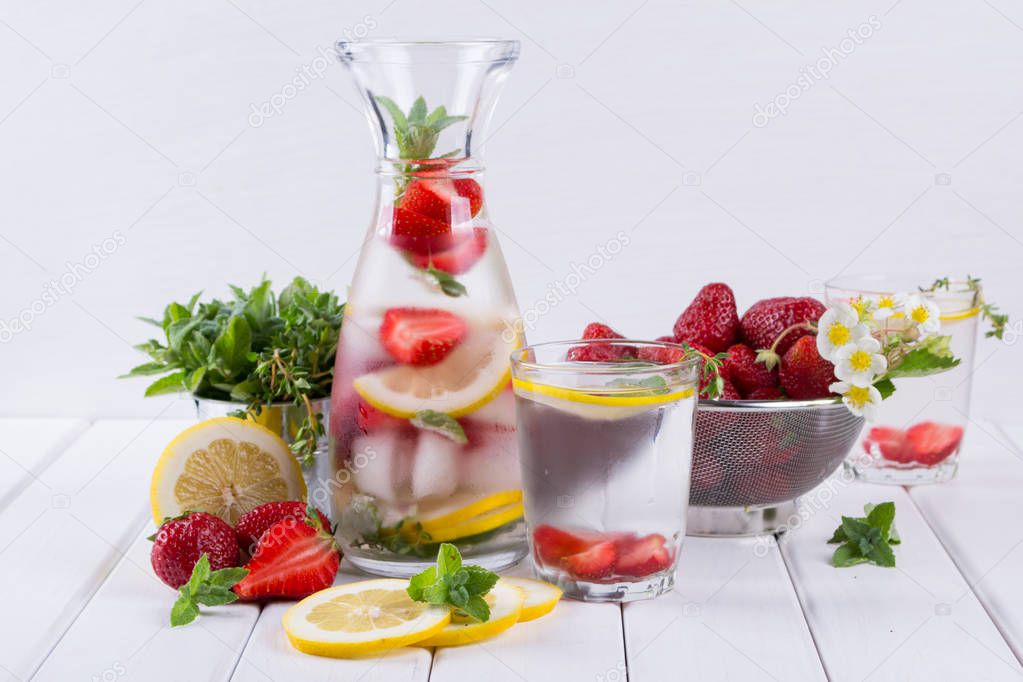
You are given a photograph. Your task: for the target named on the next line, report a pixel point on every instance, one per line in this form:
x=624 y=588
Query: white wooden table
x=78 y=600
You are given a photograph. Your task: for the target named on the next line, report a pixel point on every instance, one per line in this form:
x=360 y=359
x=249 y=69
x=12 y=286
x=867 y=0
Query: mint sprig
x=416 y=132
x=441 y=424
x=451 y=583
x=206 y=587
x=867 y=539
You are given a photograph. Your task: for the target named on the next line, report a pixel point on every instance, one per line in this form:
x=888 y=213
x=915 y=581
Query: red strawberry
x=595 y=563
x=890 y=441
x=443 y=199
x=659 y=355
x=804 y=373
x=745 y=372
x=179 y=543
x=408 y=223
x=552 y=544
x=457 y=257
x=255 y=522
x=421 y=336
x=765 y=393
x=766 y=319
x=729 y=391
x=293 y=559
x=643 y=556
x=930 y=443
x=467 y=188
x=597 y=352
x=711 y=319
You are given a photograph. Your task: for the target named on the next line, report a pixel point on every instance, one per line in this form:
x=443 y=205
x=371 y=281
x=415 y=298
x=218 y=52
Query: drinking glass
x=918 y=431
x=605 y=448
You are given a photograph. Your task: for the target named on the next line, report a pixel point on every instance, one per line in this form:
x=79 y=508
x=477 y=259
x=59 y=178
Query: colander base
x=739 y=521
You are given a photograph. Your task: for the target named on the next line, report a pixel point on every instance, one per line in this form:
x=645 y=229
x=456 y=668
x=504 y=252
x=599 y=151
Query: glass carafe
x=423 y=444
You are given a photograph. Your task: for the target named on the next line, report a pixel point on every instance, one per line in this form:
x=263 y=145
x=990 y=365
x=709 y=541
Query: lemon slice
x=597 y=404
x=361 y=618
x=505 y=602
x=541 y=597
x=471 y=376
x=495 y=518
x=458 y=512
x=226 y=467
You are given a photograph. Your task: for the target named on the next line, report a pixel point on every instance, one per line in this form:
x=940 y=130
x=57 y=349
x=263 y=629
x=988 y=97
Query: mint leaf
x=447 y=283
x=881 y=554
x=847 y=555
x=419 y=583
x=440 y=423
x=451 y=583
x=479 y=580
x=448 y=560
x=868 y=538
x=206 y=587
x=656 y=385
x=881 y=516
x=886 y=387
x=172 y=383
x=184 y=611
x=476 y=607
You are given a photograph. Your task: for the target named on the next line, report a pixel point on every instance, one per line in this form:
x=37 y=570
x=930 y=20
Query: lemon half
x=361 y=618
x=541 y=597
x=470 y=377
x=505 y=603
x=224 y=466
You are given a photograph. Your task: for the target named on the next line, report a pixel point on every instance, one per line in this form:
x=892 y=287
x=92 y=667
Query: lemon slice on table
x=505 y=602
x=361 y=618
x=541 y=597
x=226 y=467
x=471 y=376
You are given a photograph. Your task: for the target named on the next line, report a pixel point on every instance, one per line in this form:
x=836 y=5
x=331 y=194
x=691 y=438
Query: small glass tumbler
x=918 y=430
x=605 y=432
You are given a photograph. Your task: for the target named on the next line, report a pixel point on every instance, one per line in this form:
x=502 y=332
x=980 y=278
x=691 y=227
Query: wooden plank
x=975 y=515
x=733 y=615
x=62 y=535
x=27 y=446
x=917 y=621
x=124 y=632
x=269 y=656
x=576 y=641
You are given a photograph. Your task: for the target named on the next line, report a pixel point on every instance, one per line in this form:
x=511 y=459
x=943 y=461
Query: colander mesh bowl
x=752 y=457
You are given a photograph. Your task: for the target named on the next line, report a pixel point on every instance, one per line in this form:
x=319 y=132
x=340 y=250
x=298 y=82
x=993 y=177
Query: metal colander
x=755 y=453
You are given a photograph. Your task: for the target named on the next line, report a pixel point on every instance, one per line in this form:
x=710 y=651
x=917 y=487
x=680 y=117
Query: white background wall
x=130 y=120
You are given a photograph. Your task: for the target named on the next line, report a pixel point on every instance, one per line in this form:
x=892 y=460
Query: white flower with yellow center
x=861 y=400
x=888 y=305
x=864 y=307
x=860 y=362
x=923 y=313
x=839 y=326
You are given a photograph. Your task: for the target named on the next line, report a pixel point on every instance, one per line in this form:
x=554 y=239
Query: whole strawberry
x=745 y=372
x=179 y=543
x=711 y=319
x=597 y=352
x=255 y=522
x=765 y=321
x=804 y=373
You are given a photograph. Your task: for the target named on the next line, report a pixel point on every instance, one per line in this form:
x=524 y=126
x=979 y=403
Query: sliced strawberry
x=421 y=336
x=643 y=556
x=890 y=441
x=408 y=223
x=595 y=563
x=443 y=199
x=255 y=522
x=468 y=188
x=458 y=256
x=930 y=443
x=293 y=559
x=551 y=544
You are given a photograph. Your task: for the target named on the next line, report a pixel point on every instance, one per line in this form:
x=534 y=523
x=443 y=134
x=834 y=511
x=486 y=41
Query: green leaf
x=886 y=387
x=447 y=283
x=172 y=383
x=233 y=345
x=445 y=121
x=881 y=516
x=435 y=115
x=417 y=114
x=847 y=555
x=838 y=536
x=479 y=580
x=184 y=611
x=881 y=554
x=924 y=360
x=655 y=385
x=228 y=577
x=206 y=587
x=448 y=560
x=440 y=423
x=180 y=330
x=418 y=583
x=476 y=608
x=147 y=369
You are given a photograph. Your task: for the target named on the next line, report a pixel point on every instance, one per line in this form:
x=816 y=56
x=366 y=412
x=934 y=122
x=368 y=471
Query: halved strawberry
x=468 y=188
x=930 y=443
x=293 y=559
x=643 y=556
x=595 y=563
x=552 y=544
x=406 y=223
x=443 y=199
x=457 y=257
x=890 y=441
x=421 y=336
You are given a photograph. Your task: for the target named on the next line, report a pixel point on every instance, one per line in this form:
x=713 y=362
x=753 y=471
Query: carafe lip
x=456 y=51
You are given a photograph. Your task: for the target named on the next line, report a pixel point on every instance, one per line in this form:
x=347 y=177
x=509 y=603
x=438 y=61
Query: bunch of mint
x=255 y=348
x=451 y=583
x=206 y=587
x=867 y=539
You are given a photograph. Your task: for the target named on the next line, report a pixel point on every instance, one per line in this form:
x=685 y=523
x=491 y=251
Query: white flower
x=888 y=305
x=924 y=314
x=864 y=307
x=839 y=326
x=860 y=362
x=861 y=400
